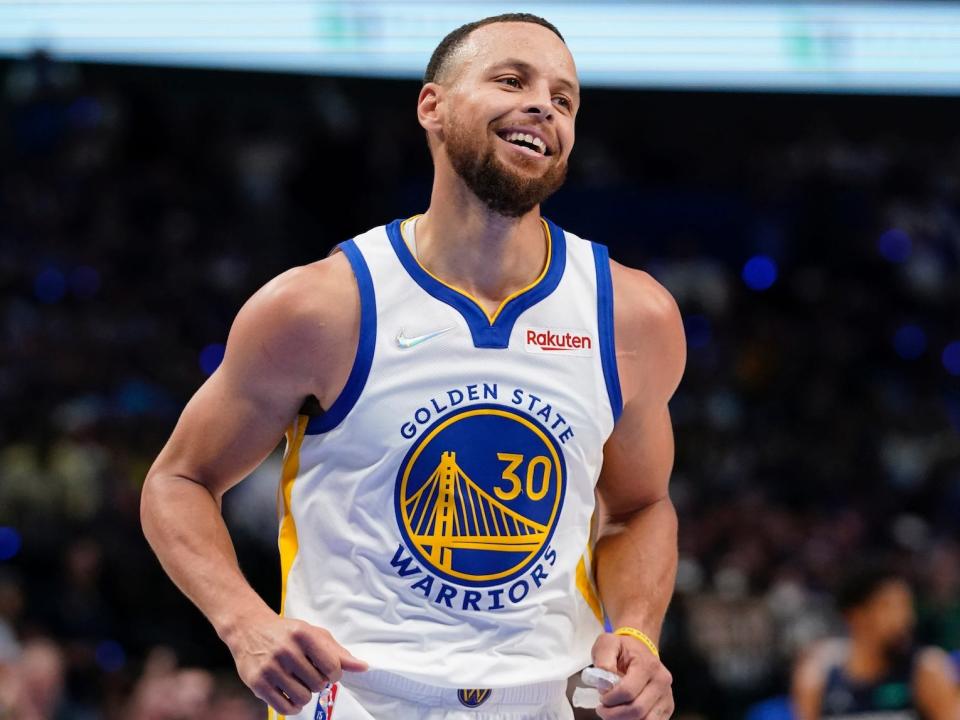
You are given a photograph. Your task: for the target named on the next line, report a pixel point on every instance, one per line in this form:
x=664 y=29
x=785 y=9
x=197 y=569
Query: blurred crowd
x=812 y=242
x=35 y=687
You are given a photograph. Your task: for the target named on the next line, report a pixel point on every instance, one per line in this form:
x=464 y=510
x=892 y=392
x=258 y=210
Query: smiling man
x=458 y=389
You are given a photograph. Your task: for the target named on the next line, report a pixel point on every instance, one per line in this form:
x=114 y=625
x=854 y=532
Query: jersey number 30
x=534 y=477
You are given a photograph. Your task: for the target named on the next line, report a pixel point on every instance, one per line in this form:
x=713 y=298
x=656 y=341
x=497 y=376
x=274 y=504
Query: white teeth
x=527 y=138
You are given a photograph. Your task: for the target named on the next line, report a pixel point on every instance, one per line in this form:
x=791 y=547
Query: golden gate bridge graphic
x=452 y=512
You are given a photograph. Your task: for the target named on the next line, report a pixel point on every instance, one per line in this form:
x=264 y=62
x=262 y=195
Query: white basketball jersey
x=437 y=517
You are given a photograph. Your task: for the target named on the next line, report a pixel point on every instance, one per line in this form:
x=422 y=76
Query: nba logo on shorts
x=325 y=703
x=473 y=697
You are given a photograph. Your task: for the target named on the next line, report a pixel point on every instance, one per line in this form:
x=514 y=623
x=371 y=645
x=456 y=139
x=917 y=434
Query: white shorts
x=398 y=698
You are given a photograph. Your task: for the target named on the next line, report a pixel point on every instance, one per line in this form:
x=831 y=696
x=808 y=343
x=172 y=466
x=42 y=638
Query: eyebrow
x=525 y=67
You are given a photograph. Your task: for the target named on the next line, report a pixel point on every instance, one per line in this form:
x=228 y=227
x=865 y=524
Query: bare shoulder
x=651 y=347
x=302 y=324
x=823 y=654
x=306 y=289
x=812 y=665
x=935 y=685
x=639 y=296
x=934 y=661
x=309 y=301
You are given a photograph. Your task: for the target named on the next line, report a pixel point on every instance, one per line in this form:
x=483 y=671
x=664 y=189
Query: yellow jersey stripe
x=586 y=583
x=491 y=318
x=288 y=527
x=585 y=586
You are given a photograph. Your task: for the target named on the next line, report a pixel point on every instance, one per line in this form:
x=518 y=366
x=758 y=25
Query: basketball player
x=454 y=387
x=876 y=673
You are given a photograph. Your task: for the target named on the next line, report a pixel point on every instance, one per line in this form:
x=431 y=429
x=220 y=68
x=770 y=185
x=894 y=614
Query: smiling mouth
x=527 y=141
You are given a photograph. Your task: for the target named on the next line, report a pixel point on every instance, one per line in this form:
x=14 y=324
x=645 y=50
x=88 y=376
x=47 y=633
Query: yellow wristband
x=634 y=633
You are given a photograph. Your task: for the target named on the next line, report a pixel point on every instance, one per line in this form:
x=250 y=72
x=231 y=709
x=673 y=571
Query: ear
x=430 y=108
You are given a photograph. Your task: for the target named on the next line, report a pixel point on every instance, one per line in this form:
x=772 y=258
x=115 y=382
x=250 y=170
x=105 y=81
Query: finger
x=351 y=663
x=320 y=649
x=606 y=652
x=636 y=681
x=641 y=707
x=651 y=697
x=275 y=698
x=300 y=668
x=326 y=654
x=663 y=710
x=296 y=691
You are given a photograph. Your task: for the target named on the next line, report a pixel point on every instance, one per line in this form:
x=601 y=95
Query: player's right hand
x=284 y=661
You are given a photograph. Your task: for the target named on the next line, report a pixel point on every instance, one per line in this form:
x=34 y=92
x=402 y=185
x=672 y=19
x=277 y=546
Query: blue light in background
x=9 y=543
x=136 y=397
x=951 y=357
x=49 y=286
x=211 y=357
x=85 y=281
x=910 y=342
x=760 y=272
x=895 y=245
x=111 y=656
x=698 y=331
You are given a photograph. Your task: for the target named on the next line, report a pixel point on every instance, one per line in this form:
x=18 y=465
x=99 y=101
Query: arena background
x=807 y=220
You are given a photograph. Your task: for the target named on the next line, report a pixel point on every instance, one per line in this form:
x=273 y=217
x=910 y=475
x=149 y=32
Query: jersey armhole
x=608 y=347
x=365 y=346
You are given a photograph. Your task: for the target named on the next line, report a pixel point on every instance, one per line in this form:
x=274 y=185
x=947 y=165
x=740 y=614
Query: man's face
x=509 y=125
x=889 y=614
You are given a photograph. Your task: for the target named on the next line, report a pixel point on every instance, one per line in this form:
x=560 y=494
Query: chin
x=523 y=170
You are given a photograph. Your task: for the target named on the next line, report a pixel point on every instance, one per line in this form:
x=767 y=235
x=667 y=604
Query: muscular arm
x=636 y=554
x=284 y=345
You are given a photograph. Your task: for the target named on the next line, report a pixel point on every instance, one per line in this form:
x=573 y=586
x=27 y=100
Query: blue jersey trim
x=608 y=346
x=485 y=334
x=364 y=359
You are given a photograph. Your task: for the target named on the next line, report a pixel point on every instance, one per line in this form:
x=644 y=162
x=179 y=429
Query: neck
x=867 y=660
x=464 y=243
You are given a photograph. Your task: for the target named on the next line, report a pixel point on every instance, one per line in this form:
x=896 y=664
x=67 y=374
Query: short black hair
x=455 y=39
x=860 y=585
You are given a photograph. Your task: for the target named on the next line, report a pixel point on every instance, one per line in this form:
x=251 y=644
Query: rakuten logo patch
x=558 y=342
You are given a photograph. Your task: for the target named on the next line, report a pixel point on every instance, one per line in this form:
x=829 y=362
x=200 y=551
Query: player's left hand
x=644 y=692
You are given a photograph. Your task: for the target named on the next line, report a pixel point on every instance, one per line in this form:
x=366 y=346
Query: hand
x=285 y=661
x=644 y=692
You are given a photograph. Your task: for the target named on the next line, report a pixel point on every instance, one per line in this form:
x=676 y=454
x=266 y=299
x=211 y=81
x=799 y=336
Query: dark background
x=818 y=422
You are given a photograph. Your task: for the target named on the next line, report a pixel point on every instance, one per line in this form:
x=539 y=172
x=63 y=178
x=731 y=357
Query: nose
x=539 y=110
x=544 y=110
x=540 y=103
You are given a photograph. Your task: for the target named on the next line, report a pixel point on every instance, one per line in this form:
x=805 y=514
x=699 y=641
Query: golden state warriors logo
x=473 y=698
x=479 y=495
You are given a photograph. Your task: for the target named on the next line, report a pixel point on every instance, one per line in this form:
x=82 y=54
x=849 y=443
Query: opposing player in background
x=876 y=672
x=455 y=389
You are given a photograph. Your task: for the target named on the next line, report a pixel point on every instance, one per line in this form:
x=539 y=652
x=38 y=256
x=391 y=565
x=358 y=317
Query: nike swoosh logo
x=408 y=342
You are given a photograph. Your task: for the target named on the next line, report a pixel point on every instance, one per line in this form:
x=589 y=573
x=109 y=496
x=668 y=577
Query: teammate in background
x=455 y=388
x=876 y=673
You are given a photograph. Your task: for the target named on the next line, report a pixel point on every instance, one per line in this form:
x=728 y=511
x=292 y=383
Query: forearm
x=183 y=523
x=636 y=565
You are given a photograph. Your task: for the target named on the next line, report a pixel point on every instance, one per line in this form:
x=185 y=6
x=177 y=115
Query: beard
x=502 y=189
